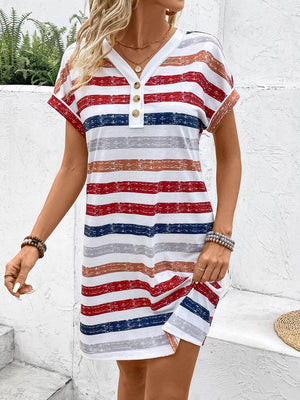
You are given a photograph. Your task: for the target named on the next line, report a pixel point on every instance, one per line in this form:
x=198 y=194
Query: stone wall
x=261 y=46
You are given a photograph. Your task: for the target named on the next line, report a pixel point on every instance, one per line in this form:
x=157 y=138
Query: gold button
x=136 y=85
x=136 y=97
x=135 y=113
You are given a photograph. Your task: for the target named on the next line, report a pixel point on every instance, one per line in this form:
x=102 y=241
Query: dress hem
x=113 y=357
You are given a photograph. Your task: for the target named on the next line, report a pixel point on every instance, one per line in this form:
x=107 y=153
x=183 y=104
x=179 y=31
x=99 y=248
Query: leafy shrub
x=32 y=60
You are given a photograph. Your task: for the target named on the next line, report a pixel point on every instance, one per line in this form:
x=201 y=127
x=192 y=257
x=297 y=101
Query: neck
x=148 y=22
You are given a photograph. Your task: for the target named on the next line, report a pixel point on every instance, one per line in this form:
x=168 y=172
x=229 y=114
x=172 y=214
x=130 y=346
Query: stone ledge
x=247 y=318
x=26 y=88
x=6 y=345
x=19 y=380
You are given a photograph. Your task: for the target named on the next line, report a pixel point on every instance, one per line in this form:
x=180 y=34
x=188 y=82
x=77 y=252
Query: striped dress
x=147 y=206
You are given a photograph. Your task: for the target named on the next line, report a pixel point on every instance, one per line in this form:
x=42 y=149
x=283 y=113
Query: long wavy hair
x=106 y=18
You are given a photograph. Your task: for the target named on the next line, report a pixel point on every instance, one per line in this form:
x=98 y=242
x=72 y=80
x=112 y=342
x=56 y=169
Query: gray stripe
x=197 y=38
x=186 y=327
x=122 y=142
x=135 y=344
x=148 y=251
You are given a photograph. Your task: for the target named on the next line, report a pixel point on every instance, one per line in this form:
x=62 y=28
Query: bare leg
x=132 y=379
x=169 y=378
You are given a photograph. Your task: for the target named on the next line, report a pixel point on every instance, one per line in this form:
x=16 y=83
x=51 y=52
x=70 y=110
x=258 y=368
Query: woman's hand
x=19 y=267
x=214 y=259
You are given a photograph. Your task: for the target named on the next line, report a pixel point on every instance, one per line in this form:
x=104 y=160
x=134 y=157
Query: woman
x=137 y=93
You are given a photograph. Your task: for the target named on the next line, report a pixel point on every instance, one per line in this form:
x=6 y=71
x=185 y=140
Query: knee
x=168 y=394
x=138 y=377
x=132 y=373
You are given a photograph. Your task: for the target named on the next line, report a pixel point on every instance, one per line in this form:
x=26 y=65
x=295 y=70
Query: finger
x=20 y=281
x=9 y=283
x=12 y=268
x=206 y=274
x=212 y=263
x=198 y=272
x=25 y=289
x=222 y=273
x=215 y=273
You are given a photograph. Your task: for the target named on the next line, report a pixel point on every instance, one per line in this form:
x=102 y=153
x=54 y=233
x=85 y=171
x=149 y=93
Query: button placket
x=136 y=106
x=137 y=85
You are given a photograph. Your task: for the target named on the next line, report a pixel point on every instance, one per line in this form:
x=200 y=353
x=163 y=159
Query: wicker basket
x=287 y=327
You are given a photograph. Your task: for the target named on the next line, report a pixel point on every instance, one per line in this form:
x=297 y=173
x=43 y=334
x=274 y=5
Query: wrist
x=224 y=229
x=30 y=249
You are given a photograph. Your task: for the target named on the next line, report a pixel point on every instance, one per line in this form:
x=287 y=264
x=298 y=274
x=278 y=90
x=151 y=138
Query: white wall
x=259 y=40
x=32 y=144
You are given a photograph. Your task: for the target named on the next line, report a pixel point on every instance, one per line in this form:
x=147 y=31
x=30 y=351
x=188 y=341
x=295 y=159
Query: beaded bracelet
x=35 y=241
x=41 y=253
x=219 y=238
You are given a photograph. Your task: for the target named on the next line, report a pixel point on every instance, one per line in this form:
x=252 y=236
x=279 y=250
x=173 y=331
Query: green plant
x=32 y=60
x=43 y=55
x=10 y=39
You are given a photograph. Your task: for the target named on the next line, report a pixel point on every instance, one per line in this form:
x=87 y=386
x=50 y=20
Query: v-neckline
x=156 y=60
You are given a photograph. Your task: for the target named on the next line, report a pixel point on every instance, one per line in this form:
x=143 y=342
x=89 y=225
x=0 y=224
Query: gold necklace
x=147 y=44
x=138 y=67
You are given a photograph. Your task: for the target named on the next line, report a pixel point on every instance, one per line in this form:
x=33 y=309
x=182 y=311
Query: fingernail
x=31 y=291
x=18 y=298
x=16 y=287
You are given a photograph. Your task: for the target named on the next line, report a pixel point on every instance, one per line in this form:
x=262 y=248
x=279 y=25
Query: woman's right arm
x=65 y=189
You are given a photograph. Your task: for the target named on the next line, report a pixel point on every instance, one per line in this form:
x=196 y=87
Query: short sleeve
x=220 y=94
x=66 y=105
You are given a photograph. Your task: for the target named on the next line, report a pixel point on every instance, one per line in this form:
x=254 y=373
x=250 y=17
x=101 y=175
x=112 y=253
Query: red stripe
x=207 y=292
x=137 y=302
x=183 y=97
x=215 y=284
x=180 y=96
x=129 y=304
x=95 y=99
x=108 y=81
x=63 y=109
x=157 y=290
x=190 y=76
x=145 y=187
x=148 y=209
x=69 y=99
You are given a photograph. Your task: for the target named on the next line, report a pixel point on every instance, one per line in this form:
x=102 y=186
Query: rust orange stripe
x=175 y=266
x=144 y=165
x=62 y=77
x=228 y=104
x=203 y=56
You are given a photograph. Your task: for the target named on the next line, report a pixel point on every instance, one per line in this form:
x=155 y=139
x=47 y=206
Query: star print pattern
x=147 y=206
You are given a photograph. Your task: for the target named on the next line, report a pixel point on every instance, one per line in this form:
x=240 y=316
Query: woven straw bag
x=287 y=327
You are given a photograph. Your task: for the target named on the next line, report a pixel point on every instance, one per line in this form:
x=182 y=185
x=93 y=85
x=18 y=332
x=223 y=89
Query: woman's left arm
x=215 y=257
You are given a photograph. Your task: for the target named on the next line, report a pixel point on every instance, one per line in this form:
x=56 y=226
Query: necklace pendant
x=138 y=68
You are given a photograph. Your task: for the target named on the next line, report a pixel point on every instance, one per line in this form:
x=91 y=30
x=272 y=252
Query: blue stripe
x=124 y=325
x=167 y=118
x=170 y=118
x=195 y=308
x=105 y=120
x=142 y=230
